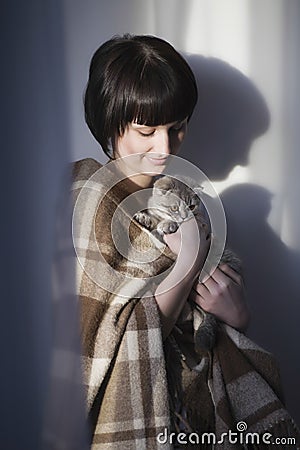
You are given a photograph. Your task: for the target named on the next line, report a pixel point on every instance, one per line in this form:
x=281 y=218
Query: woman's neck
x=138 y=182
x=132 y=183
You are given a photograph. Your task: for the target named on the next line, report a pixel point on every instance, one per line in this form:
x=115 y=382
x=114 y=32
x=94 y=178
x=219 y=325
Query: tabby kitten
x=172 y=202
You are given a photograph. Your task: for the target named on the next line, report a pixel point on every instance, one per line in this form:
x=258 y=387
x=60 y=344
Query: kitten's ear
x=162 y=185
x=198 y=190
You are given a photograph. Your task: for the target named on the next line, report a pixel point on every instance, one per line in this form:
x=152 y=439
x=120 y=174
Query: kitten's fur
x=172 y=202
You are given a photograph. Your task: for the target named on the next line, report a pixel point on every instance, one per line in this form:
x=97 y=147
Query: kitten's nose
x=183 y=214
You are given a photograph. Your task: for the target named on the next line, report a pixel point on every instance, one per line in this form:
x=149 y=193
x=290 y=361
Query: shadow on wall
x=272 y=281
x=230 y=114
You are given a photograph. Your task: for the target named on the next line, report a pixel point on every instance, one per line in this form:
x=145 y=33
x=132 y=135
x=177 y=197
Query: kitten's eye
x=192 y=207
x=174 y=208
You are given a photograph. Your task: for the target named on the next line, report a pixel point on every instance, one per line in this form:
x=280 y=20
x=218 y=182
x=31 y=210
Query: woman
x=151 y=117
x=139 y=98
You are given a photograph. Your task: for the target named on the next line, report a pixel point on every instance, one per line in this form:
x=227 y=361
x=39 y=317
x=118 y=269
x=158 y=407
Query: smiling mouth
x=158 y=161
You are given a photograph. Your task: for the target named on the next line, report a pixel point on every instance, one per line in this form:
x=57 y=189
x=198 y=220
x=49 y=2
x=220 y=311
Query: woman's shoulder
x=83 y=169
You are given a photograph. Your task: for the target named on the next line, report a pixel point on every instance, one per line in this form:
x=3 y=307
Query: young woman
x=139 y=98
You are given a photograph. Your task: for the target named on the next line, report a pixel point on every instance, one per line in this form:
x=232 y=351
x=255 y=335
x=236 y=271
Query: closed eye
x=147 y=134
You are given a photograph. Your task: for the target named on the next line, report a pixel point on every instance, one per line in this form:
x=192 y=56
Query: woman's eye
x=146 y=134
x=174 y=208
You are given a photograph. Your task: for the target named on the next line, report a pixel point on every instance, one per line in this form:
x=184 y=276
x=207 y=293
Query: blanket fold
x=127 y=380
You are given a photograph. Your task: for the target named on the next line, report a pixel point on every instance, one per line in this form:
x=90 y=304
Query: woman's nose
x=162 y=144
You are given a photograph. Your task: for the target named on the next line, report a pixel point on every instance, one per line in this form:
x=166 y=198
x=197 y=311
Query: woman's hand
x=190 y=242
x=223 y=295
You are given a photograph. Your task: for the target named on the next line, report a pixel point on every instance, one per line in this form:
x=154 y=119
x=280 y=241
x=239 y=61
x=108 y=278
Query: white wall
x=259 y=38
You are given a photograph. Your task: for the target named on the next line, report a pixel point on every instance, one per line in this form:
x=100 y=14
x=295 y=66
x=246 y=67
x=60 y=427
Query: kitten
x=172 y=202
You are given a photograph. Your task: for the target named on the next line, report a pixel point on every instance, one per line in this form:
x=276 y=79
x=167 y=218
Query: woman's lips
x=158 y=161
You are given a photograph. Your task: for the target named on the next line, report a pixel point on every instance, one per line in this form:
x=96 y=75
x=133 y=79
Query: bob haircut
x=140 y=79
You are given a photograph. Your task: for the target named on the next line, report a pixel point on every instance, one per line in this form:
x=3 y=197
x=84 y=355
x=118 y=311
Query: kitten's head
x=174 y=200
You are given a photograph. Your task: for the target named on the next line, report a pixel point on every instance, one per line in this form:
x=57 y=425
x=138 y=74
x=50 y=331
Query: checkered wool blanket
x=129 y=372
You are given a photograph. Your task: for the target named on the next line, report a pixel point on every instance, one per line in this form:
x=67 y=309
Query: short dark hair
x=136 y=78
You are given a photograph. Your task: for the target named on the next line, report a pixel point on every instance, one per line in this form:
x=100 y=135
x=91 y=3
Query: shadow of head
x=249 y=201
x=230 y=114
x=247 y=207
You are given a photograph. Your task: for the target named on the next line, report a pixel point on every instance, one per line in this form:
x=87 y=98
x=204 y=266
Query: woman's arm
x=191 y=243
x=223 y=295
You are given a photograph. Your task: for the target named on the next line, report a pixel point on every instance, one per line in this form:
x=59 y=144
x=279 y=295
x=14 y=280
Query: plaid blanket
x=137 y=386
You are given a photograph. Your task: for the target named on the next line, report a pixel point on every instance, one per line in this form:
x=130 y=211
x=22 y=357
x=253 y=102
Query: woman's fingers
x=215 y=284
x=191 y=238
x=225 y=268
x=223 y=295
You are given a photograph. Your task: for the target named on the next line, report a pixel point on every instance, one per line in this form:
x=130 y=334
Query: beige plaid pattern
x=123 y=356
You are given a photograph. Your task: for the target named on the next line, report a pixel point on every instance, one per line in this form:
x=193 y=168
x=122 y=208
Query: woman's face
x=149 y=146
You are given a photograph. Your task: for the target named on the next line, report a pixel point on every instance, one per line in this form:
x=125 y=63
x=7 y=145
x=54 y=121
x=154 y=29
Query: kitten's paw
x=143 y=219
x=167 y=227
